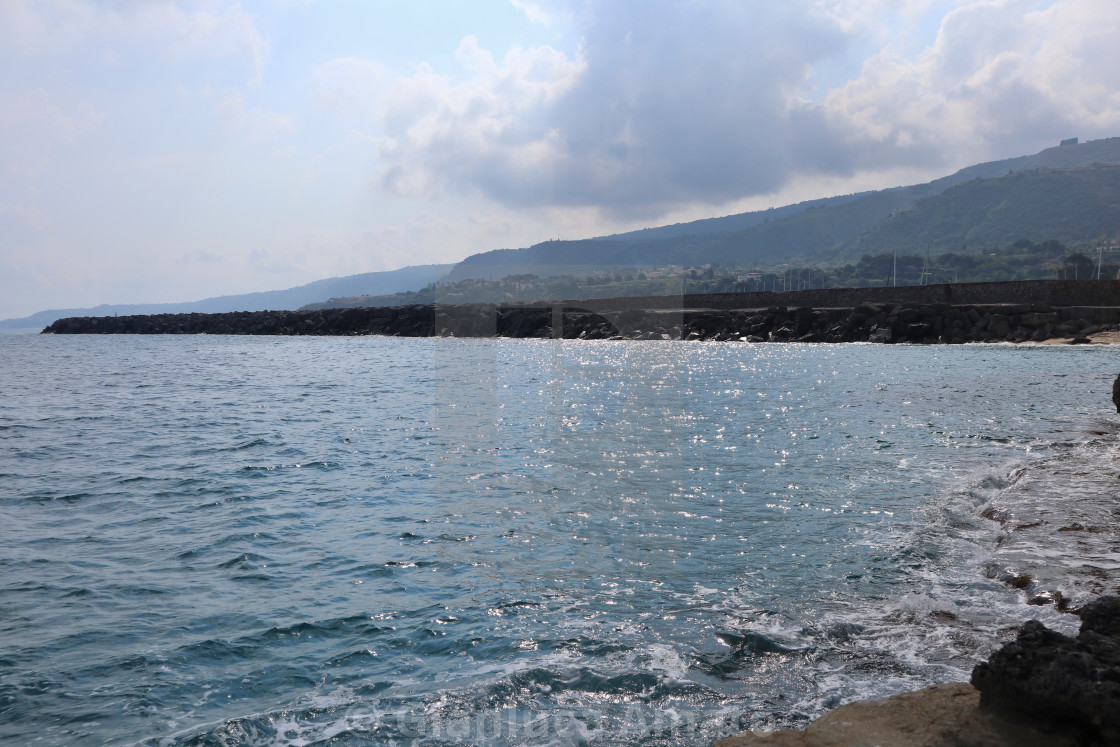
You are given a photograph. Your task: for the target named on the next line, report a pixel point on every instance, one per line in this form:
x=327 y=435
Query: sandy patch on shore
x=1107 y=337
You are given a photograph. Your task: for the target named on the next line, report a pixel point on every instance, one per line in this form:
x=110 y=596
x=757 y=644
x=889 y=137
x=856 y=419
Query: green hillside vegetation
x=1076 y=206
x=1021 y=260
x=1068 y=193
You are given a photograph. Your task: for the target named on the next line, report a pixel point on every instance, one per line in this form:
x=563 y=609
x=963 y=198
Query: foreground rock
x=938 y=716
x=1072 y=684
x=1043 y=688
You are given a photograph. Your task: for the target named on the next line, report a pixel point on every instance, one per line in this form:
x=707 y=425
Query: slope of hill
x=371 y=283
x=1075 y=206
x=819 y=230
x=730 y=222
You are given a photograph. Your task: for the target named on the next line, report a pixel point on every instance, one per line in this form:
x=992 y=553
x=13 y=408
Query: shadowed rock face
x=597 y=319
x=1072 y=683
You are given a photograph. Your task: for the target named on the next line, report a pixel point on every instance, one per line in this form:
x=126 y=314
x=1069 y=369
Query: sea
x=212 y=540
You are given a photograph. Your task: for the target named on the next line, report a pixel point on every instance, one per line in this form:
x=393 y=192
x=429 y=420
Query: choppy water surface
x=323 y=541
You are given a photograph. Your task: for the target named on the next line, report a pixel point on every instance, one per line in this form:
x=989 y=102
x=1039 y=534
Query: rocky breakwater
x=1042 y=689
x=423 y=320
x=894 y=323
x=886 y=323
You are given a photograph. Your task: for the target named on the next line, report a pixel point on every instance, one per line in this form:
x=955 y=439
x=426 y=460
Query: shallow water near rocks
x=324 y=541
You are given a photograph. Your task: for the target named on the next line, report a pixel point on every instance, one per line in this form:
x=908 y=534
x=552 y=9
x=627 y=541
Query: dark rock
x=1071 y=684
x=999 y=325
x=895 y=323
x=782 y=334
x=919 y=331
x=880 y=334
x=1102 y=617
x=909 y=315
x=1116 y=393
x=1036 y=319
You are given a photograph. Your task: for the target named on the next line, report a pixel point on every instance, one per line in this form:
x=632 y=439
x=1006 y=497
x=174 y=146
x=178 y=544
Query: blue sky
x=171 y=150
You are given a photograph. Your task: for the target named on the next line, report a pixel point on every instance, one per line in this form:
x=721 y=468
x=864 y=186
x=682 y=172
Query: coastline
x=1041 y=689
x=885 y=323
x=1104 y=337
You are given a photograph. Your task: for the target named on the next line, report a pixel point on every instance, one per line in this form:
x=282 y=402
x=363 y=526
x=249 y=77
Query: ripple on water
x=448 y=541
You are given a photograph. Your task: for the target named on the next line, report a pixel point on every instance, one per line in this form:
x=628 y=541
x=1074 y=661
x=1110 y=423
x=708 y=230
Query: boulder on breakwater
x=1043 y=688
x=886 y=323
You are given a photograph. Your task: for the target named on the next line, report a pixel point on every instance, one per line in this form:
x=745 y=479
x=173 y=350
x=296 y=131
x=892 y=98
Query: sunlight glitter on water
x=371 y=540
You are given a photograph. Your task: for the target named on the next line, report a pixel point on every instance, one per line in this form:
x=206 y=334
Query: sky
x=174 y=150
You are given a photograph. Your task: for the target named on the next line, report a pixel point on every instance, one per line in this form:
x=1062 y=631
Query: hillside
x=371 y=283
x=819 y=231
x=1075 y=206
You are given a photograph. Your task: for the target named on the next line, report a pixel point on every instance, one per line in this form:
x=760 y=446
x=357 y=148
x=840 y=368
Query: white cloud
x=1003 y=78
x=672 y=103
x=664 y=103
x=37 y=27
x=534 y=11
x=441 y=133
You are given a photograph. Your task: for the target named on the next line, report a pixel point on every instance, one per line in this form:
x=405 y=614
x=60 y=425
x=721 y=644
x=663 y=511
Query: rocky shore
x=867 y=322
x=1042 y=689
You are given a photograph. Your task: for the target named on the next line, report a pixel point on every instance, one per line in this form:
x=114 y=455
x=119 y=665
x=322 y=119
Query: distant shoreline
x=1049 y=312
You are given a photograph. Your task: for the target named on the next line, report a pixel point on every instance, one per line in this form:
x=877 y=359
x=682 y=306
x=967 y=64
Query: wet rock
x=1116 y=393
x=1068 y=685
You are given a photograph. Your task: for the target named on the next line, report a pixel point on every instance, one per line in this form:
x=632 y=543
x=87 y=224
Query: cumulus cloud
x=667 y=102
x=1002 y=77
x=672 y=102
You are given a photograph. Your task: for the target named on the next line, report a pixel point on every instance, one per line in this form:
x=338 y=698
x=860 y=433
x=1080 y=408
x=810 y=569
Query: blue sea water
x=352 y=541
